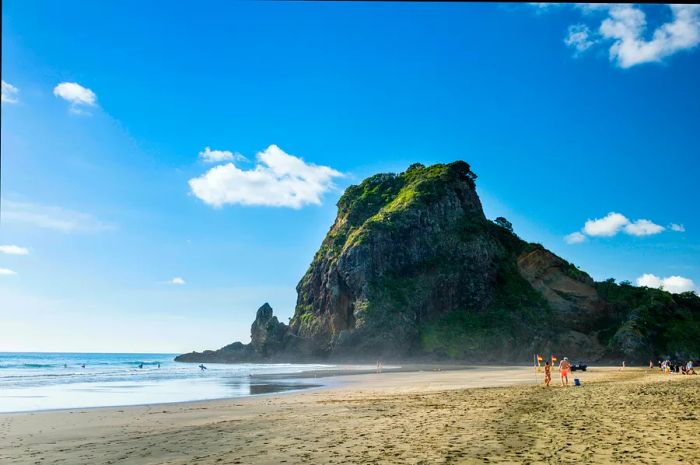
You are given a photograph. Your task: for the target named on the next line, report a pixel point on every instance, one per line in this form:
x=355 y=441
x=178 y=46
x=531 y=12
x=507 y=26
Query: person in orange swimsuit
x=547 y=374
x=564 y=367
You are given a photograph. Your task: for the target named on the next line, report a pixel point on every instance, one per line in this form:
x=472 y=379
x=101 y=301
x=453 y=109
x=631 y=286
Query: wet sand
x=482 y=415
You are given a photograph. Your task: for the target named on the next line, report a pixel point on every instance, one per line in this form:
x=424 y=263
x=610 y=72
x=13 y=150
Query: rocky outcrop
x=267 y=335
x=569 y=291
x=402 y=250
x=268 y=338
x=412 y=268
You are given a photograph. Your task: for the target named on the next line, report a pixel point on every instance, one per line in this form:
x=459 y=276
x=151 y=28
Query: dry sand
x=636 y=417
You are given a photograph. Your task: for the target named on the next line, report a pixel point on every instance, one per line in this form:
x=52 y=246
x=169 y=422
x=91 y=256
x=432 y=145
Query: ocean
x=47 y=381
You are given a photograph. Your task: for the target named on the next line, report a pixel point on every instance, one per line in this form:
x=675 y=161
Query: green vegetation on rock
x=650 y=322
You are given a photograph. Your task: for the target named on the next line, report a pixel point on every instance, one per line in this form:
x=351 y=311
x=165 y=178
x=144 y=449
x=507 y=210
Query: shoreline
x=334 y=379
x=353 y=378
x=158 y=404
x=330 y=375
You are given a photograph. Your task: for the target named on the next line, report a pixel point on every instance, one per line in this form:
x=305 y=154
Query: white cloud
x=9 y=93
x=649 y=280
x=672 y=284
x=215 y=156
x=643 y=228
x=278 y=180
x=607 y=226
x=613 y=223
x=678 y=284
x=677 y=227
x=6 y=272
x=51 y=217
x=13 y=250
x=574 y=238
x=624 y=31
x=626 y=26
x=77 y=95
x=579 y=38
x=178 y=281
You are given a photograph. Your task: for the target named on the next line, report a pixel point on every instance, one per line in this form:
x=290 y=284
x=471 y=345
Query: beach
x=483 y=415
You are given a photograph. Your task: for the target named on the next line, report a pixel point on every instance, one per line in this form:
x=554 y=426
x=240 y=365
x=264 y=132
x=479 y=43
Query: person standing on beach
x=564 y=367
x=547 y=373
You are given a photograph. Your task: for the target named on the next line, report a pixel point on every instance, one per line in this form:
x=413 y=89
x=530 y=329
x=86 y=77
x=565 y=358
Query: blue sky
x=565 y=113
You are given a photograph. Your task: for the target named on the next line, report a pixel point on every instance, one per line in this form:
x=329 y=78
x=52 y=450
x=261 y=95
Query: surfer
x=202 y=367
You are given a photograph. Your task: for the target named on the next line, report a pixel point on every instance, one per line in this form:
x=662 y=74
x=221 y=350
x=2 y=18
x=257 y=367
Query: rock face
x=568 y=291
x=400 y=252
x=411 y=268
x=267 y=335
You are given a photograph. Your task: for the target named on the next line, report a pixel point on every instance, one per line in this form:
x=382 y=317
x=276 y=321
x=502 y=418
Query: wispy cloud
x=677 y=227
x=277 y=180
x=51 y=217
x=579 y=37
x=574 y=238
x=9 y=93
x=178 y=281
x=13 y=250
x=6 y=272
x=612 y=224
x=215 y=156
x=672 y=284
x=545 y=6
x=78 y=96
x=623 y=30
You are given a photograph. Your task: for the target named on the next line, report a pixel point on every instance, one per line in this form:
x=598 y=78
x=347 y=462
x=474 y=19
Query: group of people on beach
x=564 y=369
x=669 y=366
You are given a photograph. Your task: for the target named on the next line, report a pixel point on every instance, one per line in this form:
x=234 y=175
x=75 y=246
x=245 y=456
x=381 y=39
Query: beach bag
x=577 y=382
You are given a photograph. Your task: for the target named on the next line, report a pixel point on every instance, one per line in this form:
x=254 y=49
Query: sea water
x=46 y=381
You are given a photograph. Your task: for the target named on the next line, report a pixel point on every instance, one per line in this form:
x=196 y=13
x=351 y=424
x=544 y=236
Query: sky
x=166 y=171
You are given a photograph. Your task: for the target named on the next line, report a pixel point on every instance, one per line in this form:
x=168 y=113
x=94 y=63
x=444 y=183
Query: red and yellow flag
x=554 y=359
